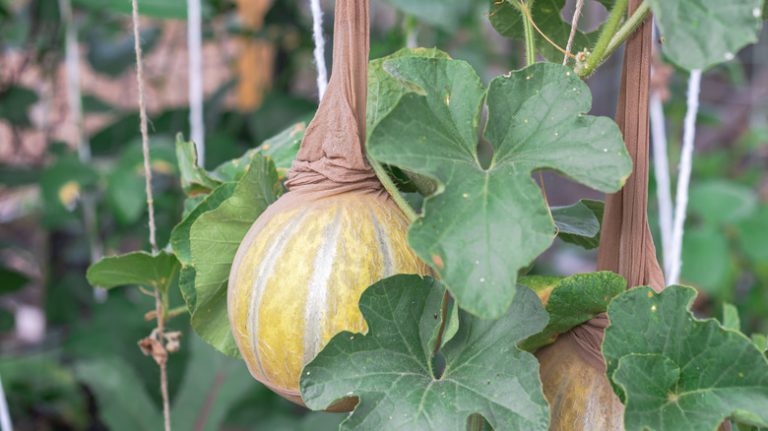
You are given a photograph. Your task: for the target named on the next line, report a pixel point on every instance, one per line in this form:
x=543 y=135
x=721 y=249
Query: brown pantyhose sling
x=626 y=244
x=573 y=368
x=332 y=155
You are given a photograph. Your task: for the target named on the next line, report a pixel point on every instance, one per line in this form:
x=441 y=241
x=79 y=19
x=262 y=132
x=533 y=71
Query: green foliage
x=156 y=8
x=571 y=301
x=17 y=101
x=26 y=378
x=139 y=268
x=214 y=238
x=720 y=202
x=476 y=224
x=61 y=185
x=706 y=259
x=507 y=18
x=579 y=223
x=11 y=281
x=194 y=179
x=698 y=34
x=675 y=372
x=442 y=13
x=392 y=372
x=125 y=192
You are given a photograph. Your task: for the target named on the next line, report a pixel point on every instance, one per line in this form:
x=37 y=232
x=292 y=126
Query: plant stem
x=164 y=362
x=530 y=41
x=609 y=30
x=628 y=28
x=391 y=188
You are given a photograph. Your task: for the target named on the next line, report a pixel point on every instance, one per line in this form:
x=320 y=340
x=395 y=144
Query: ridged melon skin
x=580 y=396
x=298 y=277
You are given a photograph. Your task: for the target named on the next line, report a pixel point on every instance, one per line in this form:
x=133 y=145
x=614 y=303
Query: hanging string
x=574 y=26
x=143 y=127
x=195 y=48
x=161 y=358
x=317 y=35
x=661 y=172
x=661 y=167
x=5 y=417
x=683 y=181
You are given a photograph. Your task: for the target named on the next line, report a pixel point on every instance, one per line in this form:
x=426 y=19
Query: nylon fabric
x=332 y=154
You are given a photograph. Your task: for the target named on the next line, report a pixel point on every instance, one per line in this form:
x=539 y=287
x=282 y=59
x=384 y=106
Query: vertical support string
x=162 y=357
x=317 y=35
x=143 y=127
x=195 y=49
x=5 y=416
x=683 y=181
x=661 y=172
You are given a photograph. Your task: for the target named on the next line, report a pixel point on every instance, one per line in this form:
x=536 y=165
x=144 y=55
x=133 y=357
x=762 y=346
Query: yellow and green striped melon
x=298 y=276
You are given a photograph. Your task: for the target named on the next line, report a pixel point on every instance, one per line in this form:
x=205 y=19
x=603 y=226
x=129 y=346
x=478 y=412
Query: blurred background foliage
x=69 y=359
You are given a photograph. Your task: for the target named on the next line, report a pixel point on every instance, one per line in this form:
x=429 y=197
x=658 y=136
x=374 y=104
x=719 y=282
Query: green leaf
x=181 y=244
x=442 y=13
x=126 y=187
x=699 y=34
x=61 y=186
x=390 y=368
x=154 y=8
x=706 y=259
x=753 y=235
x=124 y=403
x=721 y=202
x=212 y=384
x=11 y=281
x=139 y=268
x=194 y=179
x=731 y=317
x=579 y=223
x=761 y=342
x=180 y=234
x=214 y=238
x=574 y=300
x=16 y=103
x=676 y=372
x=507 y=19
x=486 y=223
x=281 y=148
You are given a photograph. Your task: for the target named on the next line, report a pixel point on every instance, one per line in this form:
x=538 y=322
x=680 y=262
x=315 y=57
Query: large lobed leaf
x=213 y=241
x=676 y=372
x=399 y=386
x=486 y=223
x=701 y=33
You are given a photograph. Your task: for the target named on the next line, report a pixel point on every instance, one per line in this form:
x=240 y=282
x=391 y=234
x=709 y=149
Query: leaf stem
x=530 y=41
x=610 y=28
x=391 y=188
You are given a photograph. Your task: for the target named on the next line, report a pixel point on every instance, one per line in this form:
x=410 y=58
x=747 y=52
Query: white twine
x=75 y=105
x=5 y=417
x=661 y=172
x=574 y=26
x=683 y=181
x=195 y=48
x=317 y=35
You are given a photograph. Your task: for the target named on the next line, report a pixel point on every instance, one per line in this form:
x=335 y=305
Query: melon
x=299 y=273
